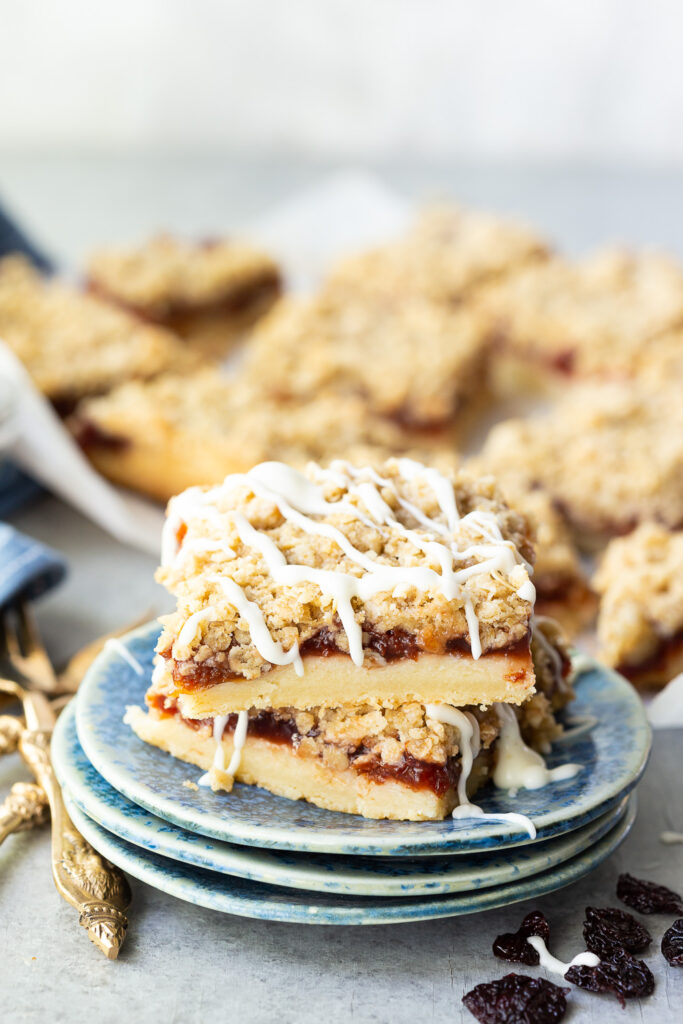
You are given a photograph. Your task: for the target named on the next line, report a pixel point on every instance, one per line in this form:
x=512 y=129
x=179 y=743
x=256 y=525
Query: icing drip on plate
x=301 y=501
x=555 y=966
x=518 y=767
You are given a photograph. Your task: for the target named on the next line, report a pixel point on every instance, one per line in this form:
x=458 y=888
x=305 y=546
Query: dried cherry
x=517 y=999
x=648 y=897
x=622 y=975
x=608 y=929
x=672 y=944
x=513 y=945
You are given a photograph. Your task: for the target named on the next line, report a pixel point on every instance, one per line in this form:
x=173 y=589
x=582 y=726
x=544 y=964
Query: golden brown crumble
x=609 y=455
x=446 y=253
x=166 y=273
x=592 y=317
x=239 y=427
x=640 y=583
x=297 y=612
x=409 y=358
x=74 y=344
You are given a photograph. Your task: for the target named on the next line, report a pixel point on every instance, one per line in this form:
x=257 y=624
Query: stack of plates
x=258 y=855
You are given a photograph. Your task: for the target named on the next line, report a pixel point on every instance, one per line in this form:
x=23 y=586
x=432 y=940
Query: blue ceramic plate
x=358 y=876
x=239 y=896
x=613 y=753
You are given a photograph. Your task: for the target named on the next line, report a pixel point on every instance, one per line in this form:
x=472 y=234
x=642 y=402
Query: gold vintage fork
x=25 y=651
x=96 y=888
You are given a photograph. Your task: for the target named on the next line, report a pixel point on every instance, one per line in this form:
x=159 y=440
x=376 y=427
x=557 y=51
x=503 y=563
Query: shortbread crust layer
x=276 y=767
x=454 y=678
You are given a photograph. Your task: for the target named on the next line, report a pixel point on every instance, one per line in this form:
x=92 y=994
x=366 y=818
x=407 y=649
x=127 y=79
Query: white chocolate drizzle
x=470 y=744
x=555 y=966
x=518 y=766
x=298 y=499
x=238 y=738
x=112 y=644
x=671 y=838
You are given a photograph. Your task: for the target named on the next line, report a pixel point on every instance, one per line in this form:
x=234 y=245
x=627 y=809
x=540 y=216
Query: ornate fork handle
x=24 y=807
x=96 y=888
x=10 y=731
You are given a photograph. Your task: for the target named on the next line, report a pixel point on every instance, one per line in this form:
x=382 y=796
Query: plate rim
x=322 y=841
x=305 y=911
x=292 y=876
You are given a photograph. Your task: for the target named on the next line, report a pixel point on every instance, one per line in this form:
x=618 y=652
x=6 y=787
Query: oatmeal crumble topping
x=447 y=253
x=166 y=273
x=408 y=357
x=213 y=549
x=640 y=582
x=609 y=455
x=239 y=425
x=74 y=344
x=592 y=317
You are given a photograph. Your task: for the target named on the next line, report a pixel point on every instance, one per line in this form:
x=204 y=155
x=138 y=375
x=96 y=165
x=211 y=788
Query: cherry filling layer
x=236 y=300
x=266 y=725
x=392 y=645
x=658 y=662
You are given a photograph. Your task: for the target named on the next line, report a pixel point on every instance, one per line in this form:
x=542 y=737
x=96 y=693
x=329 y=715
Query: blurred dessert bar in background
x=409 y=359
x=556 y=322
x=75 y=345
x=640 y=624
x=207 y=292
x=165 y=435
x=445 y=256
x=610 y=456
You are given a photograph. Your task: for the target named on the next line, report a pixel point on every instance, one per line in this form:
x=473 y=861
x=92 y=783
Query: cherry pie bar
x=359 y=638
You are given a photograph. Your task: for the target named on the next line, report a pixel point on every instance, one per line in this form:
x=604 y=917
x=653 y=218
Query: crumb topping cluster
x=640 y=580
x=594 y=316
x=448 y=252
x=610 y=455
x=407 y=357
x=167 y=273
x=213 y=549
x=241 y=427
x=74 y=344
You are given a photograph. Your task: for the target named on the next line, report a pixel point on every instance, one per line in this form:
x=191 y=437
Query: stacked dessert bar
x=360 y=638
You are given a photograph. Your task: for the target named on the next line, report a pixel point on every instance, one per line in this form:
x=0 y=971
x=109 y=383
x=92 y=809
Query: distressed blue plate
x=317 y=872
x=244 y=898
x=613 y=753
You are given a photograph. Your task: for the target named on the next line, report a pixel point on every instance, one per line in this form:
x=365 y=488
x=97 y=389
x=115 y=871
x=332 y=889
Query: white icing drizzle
x=579 y=725
x=518 y=766
x=527 y=592
x=238 y=739
x=112 y=644
x=297 y=499
x=555 y=966
x=473 y=626
x=470 y=743
x=671 y=838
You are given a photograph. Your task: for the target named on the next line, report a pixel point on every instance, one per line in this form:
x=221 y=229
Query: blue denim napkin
x=15 y=487
x=27 y=568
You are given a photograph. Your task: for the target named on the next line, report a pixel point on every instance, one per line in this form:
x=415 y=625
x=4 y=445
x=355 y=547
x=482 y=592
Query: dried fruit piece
x=608 y=929
x=513 y=945
x=648 y=897
x=517 y=999
x=672 y=944
x=622 y=975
